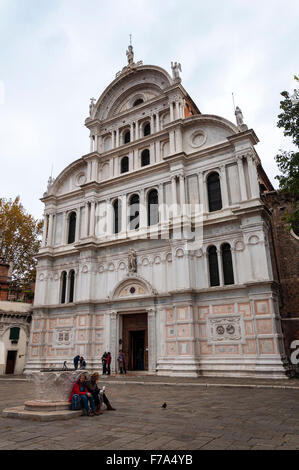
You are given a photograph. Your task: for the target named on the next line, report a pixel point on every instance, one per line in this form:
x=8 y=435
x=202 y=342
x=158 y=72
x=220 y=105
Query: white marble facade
x=193 y=328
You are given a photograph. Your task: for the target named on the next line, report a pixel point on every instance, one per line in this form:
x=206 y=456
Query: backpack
x=76 y=405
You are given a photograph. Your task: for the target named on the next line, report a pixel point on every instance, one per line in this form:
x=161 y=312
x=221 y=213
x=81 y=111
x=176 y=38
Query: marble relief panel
x=185 y=348
x=223 y=309
x=184 y=331
x=170 y=349
x=266 y=346
x=264 y=327
x=205 y=348
x=203 y=312
x=262 y=307
x=225 y=349
x=245 y=309
x=249 y=347
x=169 y=315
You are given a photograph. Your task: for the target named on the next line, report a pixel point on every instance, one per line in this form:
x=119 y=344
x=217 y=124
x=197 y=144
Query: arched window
x=127 y=137
x=214 y=192
x=138 y=101
x=227 y=263
x=72 y=285
x=147 y=129
x=145 y=157
x=152 y=207
x=117 y=216
x=63 y=287
x=134 y=212
x=213 y=266
x=124 y=165
x=72 y=227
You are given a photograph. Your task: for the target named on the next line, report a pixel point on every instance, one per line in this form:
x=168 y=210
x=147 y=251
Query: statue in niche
x=176 y=69
x=132 y=261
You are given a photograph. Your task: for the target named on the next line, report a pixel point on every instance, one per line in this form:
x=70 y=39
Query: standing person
x=80 y=389
x=121 y=362
x=104 y=363
x=108 y=362
x=82 y=363
x=92 y=387
x=76 y=361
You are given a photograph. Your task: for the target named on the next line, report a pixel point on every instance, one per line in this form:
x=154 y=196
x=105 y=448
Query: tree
x=288 y=161
x=19 y=240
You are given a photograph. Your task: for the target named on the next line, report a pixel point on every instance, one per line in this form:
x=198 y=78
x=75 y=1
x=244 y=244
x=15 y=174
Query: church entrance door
x=135 y=341
x=11 y=362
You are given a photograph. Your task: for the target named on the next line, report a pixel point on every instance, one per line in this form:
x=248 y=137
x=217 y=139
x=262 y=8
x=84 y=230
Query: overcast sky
x=57 y=54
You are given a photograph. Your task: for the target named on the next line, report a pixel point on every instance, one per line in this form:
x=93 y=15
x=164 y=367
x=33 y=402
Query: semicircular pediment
x=133 y=286
x=148 y=78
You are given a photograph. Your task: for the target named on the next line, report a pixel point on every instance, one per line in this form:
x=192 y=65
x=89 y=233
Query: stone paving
x=195 y=418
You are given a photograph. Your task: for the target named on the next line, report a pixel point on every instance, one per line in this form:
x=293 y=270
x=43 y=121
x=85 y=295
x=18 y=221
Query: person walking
x=121 y=362
x=104 y=363
x=76 y=361
x=108 y=363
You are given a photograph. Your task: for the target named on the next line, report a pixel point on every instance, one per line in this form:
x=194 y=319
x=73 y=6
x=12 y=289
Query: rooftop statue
x=130 y=55
x=240 y=120
x=176 y=68
x=91 y=106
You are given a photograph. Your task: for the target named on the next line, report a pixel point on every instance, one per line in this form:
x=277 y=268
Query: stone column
x=132 y=132
x=91 y=143
x=179 y=140
x=182 y=194
x=253 y=177
x=85 y=220
x=158 y=153
x=142 y=211
x=64 y=229
x=152 y=346
x=78 y=218
x=242 y=178
x=152 y=124
x=161 y=204
x=113 y=339
x=224 y=189
x=234 y=261
x=202 y=192
x=152 y=153
x=92 y=218
x=124 y=221
x=109 y=217
x=177 y=110
x=117 y=137
x=112 y=140
x=157 y=122
x=174 y=201
x=45 y=230
x=111 y=168
x=171 y=142
x=50 y=230
x=171 y=112
x=137 y=130
x=220 y=266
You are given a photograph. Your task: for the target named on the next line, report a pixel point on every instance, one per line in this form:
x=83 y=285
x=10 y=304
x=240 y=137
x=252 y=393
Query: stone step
x=20 y=413
x=35 y=405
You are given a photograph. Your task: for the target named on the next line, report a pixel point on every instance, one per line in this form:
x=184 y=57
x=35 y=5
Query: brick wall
x=285 y=260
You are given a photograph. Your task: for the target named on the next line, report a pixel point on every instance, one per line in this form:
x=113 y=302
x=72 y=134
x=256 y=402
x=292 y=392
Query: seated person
x=79 y=388
x=92 y=387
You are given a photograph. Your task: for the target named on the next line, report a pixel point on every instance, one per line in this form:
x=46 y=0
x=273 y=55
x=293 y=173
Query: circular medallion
x=220 y=330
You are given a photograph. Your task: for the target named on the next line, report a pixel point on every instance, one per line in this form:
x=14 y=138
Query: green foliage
x=20 y=234
x=288 y=162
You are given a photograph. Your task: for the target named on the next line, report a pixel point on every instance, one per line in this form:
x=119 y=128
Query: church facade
x=156 y=242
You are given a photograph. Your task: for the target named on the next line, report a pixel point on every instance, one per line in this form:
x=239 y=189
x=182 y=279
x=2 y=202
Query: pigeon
x=164 y=405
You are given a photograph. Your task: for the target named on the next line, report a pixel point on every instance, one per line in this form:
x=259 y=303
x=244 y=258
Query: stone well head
x=54 y=386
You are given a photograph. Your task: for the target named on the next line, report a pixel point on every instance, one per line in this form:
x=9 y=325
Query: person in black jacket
x=76 y=361
x=92 y=387
x=82 y=363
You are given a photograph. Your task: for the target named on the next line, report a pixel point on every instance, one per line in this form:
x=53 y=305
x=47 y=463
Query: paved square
x=195 y=418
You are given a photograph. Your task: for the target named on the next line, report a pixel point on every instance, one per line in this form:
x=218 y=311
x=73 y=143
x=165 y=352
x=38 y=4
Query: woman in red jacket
x=79 y=388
